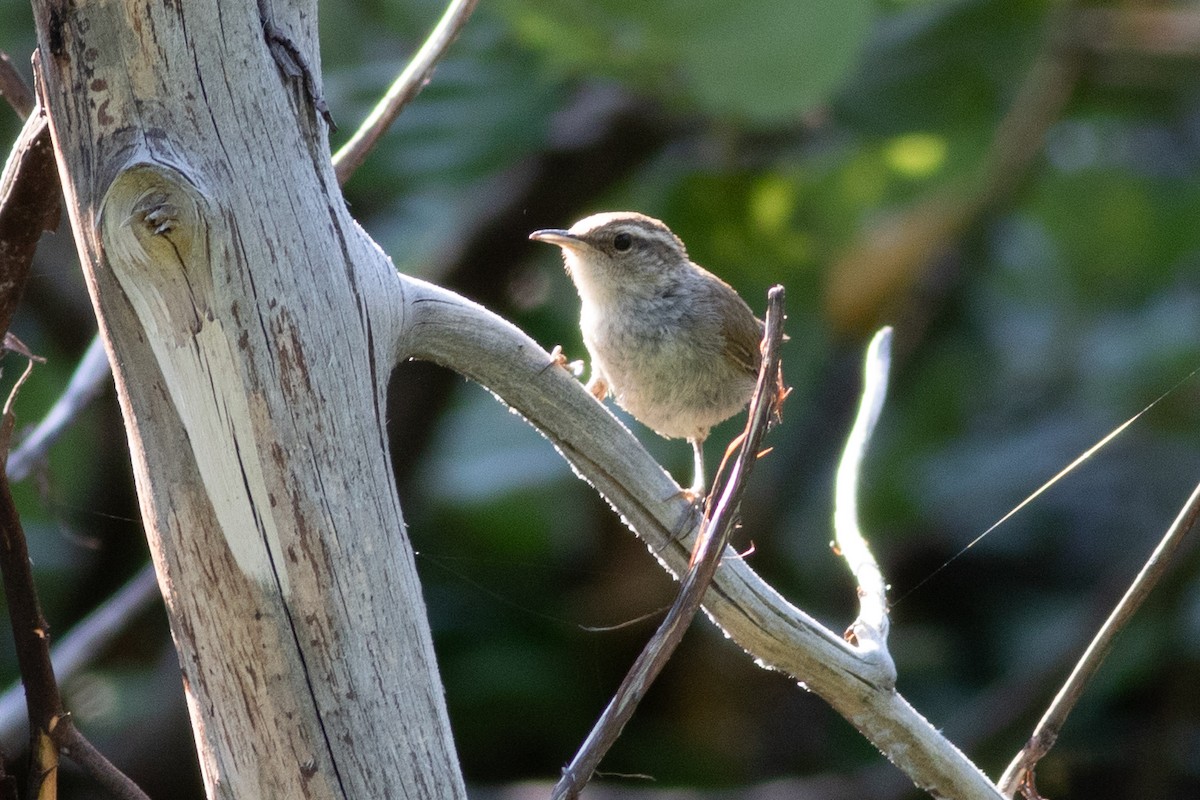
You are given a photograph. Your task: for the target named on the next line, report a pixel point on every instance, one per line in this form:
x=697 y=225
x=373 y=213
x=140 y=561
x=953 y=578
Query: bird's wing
x=742 y=334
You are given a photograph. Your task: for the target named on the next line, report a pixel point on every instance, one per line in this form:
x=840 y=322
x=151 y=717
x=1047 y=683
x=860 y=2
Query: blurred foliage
x=1029 y=326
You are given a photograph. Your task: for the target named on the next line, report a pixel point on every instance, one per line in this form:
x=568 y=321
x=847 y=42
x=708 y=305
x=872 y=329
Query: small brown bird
x=675 y=345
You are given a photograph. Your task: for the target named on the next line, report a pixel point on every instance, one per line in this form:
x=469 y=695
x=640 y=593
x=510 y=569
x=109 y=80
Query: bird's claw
x=692 y=515
x=559 y=359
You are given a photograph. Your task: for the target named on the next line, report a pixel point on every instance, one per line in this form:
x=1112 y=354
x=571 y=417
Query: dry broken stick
x=1019 y=775
x=869 y=632
x=712 y=539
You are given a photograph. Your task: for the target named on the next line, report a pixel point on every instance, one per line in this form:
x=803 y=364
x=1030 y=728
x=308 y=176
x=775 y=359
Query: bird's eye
x=622 y=242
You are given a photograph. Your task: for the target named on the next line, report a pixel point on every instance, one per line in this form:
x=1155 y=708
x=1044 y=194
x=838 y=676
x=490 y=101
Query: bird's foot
x=692 y=515
x=597 y=386
x=559 y=359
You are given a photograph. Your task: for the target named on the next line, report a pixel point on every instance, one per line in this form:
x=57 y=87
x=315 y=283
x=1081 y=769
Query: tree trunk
x=252 y=326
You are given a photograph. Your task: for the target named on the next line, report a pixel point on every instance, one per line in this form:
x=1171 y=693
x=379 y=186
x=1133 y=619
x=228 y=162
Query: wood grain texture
x=243 y=311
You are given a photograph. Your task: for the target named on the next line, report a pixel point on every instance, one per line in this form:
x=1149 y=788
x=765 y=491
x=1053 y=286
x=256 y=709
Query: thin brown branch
x=30 y=631
x=26 y=209
x=1019 y=775
x=406 y=86
x=29 y=205
x=75 y=746
x=82 y=644
x=713 y=537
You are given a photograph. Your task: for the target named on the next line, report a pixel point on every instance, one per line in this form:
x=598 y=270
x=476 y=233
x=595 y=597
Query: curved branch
x=452 y=331
x=870 y=630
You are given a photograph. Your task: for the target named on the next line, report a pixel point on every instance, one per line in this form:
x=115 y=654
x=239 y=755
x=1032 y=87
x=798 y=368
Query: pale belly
x=668 y=383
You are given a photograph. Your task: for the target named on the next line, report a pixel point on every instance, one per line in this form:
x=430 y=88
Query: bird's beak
x=556 y=236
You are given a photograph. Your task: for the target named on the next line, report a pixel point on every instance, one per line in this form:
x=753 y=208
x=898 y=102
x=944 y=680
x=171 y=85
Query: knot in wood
x=151 y=214
x=154 y=227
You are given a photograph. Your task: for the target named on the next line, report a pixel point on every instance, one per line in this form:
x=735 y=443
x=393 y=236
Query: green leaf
x=758 y=60
x=766 y=59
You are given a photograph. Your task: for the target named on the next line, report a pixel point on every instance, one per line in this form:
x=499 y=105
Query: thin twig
x=87 y=382
x=714 y=534
x=869 y=632
x=81 y=645
x=75 y=746
x=406 y=86
x=30 y=631
x=1020 y=772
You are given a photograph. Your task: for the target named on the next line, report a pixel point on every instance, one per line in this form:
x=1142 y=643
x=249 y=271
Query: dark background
x=885 y=162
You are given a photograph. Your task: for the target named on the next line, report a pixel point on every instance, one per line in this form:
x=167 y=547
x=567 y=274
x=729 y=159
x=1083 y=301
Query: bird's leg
x=597 y=386
x=693 y=495
x=559 y=359
x=698 y=487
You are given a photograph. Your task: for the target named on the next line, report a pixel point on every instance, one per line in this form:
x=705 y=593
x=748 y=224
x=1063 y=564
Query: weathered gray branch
x=450 y=330
x=870 y=630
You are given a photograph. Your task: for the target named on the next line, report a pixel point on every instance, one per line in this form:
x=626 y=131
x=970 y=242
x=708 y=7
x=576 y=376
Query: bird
x=676 y=346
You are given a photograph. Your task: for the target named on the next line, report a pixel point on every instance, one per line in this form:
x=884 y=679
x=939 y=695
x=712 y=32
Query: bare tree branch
x=1019 y=774
x=90 y=378
x=448 y=329
x=406 y=86
x=30 y=631
x=711 y=543
x=870 y=631
x=75 y=746
x=81 y=645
